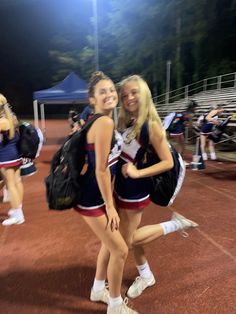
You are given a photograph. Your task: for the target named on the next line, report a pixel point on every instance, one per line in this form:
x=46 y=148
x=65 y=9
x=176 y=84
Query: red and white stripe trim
x=93 y=211
x=126 y=157
x=11 y=163
x=135 y=204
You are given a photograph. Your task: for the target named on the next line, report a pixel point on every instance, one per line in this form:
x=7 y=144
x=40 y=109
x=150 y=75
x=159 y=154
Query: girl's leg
x=136 y=237
x=212 y=150
x=149 y=233
x=11 y=177
x=139 y=237
x=117 y=249
x=19 y=185
x=180 y=140
x=102 y=263
x=129 y=222
x=203 y=143
x=99 y=292
x=5 y=198
x=2 y=183
x=203 y=140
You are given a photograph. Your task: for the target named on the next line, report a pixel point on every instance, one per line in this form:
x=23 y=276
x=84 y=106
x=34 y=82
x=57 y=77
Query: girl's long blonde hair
x=147 y=111
x=5 y=112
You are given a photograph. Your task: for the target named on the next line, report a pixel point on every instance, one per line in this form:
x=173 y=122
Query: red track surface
x=47 y=265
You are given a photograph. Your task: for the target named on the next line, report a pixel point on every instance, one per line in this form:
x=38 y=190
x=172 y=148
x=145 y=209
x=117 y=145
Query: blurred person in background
x=10 y=161
x=177 y=128
x=210 y=120
x=86 y=114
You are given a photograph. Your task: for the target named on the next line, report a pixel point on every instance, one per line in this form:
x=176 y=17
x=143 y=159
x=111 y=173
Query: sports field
x=47 y=264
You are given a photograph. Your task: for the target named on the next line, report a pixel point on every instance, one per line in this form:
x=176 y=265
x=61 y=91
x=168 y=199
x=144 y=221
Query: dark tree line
x=42 y=41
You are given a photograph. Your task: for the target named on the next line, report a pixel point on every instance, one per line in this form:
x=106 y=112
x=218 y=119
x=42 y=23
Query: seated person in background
x=211 y=119
x=176 y=129
x=86 y=114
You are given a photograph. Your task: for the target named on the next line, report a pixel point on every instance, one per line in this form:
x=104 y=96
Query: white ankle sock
x=98 y=285
x=5 y=195
x=18 y=213
x=114 y=302
x=169 y=226
x=144 y=270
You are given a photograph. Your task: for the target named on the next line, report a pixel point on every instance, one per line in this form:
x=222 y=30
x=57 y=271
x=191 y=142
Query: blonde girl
x=10 y=161
x=132 y=184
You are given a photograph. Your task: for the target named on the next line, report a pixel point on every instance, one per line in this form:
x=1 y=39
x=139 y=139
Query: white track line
x=213 y=189
x=208 y=238
x=218 y=167
x=218 y=246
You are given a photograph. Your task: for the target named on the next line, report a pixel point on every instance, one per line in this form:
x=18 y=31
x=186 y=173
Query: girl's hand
x=113 y=219
x=129 y=170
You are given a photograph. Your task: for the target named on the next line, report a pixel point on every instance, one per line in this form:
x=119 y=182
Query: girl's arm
x=160 y=145
x=103 y=131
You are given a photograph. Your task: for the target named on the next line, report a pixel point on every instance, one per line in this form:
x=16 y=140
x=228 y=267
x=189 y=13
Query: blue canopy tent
x=72 y=90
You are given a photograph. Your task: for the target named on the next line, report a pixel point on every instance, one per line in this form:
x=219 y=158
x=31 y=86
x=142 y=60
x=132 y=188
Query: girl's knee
x=122 y=252
x=129 y=243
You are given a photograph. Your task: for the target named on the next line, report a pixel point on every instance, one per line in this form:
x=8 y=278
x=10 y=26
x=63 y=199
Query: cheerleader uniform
x=179 y=128
x=92 y=203
x=207 y=127
x=131 y=193
x=9 y=153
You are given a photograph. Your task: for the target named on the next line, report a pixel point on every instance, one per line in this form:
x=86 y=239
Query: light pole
x=96 y=54
x=168 y=64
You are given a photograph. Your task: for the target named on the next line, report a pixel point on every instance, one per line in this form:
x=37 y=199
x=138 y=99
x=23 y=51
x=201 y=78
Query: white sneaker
x=139 y=285
x=121 y=309
x=183 y=222
x=13 y=221
x=100 y=296
x=11 y=212
x=213 y=156
x=204 y=156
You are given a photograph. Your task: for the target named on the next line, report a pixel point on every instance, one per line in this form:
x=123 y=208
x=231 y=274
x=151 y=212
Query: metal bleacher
x=208 y=92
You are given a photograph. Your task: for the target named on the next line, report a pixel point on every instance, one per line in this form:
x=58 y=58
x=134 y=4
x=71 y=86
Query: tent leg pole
x=43 y=125
x=36 y=114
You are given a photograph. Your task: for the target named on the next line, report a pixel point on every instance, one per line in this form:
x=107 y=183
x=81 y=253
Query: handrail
x=205 y=84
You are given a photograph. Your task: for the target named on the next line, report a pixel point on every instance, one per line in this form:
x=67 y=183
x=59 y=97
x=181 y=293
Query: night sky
x=29 y=30
x=42 y=41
